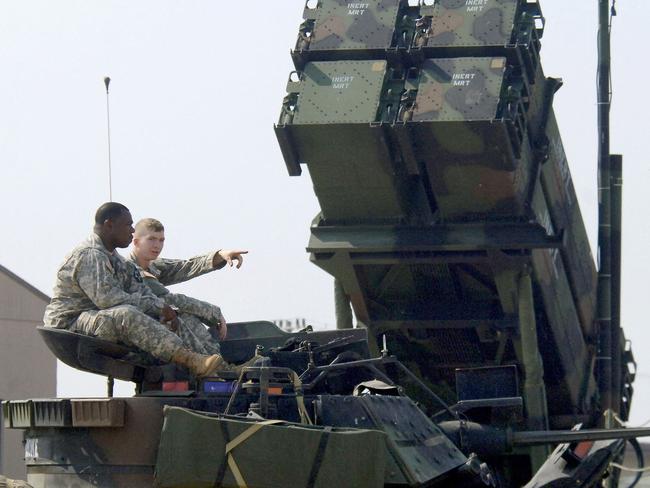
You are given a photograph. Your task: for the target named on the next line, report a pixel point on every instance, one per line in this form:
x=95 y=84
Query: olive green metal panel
x=566 y=216
x=355 y=184
x=573 y=357
x=360 y=186
x=339 y=92
x=561 y=201
x=472 y=169
x=275 y=455
x=465 y=23
x=352 y=163
x=466 y=146
x=347 y=24
x=459 y=89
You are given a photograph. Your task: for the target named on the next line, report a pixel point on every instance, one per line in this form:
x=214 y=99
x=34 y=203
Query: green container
x=274 y=454
x=350 y=25
x=472 y=23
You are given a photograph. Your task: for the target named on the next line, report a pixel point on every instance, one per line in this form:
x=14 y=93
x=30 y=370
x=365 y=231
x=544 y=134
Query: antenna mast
x=107 y=82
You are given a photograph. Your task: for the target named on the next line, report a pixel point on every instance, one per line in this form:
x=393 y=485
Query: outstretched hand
x=232 y=255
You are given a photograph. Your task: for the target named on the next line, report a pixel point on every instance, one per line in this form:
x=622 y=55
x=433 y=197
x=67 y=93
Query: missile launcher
x=448 y=216
x=451 y=227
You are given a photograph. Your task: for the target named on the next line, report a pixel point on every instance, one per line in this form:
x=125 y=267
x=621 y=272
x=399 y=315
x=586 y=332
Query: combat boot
x=200 y=365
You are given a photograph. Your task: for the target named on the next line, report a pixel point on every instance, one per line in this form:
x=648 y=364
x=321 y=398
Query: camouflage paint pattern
x=9 y=483
x=463 y=141
x=350 y=24
x=195 y=336
x=172 y=271
x=467 y=23
x=466 y=146
x=467 y=150
x=98 y=293
x=460 y=89
x=206 y=312
x=92 y=278
x=130 y=326
x=193 y=313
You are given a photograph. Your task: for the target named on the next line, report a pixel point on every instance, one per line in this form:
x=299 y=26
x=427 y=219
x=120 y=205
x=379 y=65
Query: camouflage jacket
x=163 y=272
x=92 y=278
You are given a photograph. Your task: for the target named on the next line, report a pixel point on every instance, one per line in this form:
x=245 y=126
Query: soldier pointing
x=158 y=273
x=99 y=294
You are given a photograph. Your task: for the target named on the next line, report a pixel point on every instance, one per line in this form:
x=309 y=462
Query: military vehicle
x=487 y=348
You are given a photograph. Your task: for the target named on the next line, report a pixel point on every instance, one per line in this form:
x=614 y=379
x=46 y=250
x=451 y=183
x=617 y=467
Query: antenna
x=107 y=81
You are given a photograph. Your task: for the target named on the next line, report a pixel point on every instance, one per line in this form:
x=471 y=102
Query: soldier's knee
x=124 y=311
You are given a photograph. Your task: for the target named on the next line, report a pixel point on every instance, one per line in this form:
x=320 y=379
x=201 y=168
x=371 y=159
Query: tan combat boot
x=200 y=365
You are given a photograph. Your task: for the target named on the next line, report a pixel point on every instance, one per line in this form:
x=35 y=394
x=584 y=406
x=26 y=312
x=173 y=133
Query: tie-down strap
x=232 y=464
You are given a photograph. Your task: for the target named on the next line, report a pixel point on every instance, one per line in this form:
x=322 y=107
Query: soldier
x=157 y=273
x=98 y=293
x=7 y=483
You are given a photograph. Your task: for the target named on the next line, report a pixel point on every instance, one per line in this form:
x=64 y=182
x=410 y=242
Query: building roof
x=24 y=284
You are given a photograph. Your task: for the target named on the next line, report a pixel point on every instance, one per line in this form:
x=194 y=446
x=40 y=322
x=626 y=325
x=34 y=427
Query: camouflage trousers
x=195 y=336
x=127 y=324
x=7 y=483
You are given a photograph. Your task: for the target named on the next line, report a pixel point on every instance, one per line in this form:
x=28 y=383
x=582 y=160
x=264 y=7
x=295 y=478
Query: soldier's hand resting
x=222 y=328
x=219 y=325
x=168 y=314
x=230 y=255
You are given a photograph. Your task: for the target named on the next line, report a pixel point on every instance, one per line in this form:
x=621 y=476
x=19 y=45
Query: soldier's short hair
x=109 y=211
x=149 y=224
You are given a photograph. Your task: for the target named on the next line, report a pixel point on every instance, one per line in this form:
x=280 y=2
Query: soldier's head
x=113 y=223
x=148 y=239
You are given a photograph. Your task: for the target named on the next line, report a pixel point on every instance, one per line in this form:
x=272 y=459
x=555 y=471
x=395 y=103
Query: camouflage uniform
x=98 y=293
x=192 y=313
x=8 y=483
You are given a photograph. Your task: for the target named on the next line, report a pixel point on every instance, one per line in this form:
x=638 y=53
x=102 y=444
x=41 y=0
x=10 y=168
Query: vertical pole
x=110 y=383
x=616 y=167
x=107 y=81
x=604 y=358
x=2 y=470
x=342 y=307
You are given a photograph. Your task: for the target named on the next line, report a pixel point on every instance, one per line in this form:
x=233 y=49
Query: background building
x=27 y=367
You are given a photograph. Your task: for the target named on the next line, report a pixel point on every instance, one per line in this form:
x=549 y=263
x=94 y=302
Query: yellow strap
x=304 y=416
x=297 y=386
x=230 y=446
x=239 y=479
x=238 y=440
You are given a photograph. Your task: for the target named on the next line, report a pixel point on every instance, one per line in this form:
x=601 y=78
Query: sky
x=196 y=87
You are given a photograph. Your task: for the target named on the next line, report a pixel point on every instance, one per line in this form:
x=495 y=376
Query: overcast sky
x=196 y=87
